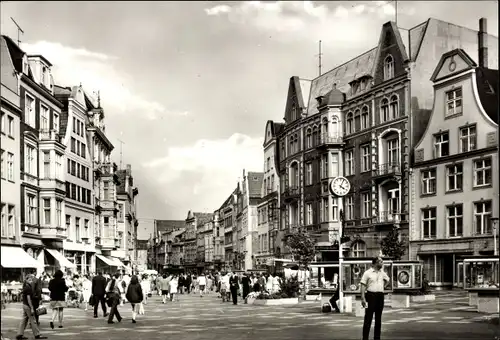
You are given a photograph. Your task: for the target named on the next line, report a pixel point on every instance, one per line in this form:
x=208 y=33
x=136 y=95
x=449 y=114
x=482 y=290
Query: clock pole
x=341 y=258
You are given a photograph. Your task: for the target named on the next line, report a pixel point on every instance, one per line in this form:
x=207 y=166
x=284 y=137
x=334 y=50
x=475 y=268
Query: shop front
x=481 y=280
x=108 y=264
x=83 y=260
x=55 y=260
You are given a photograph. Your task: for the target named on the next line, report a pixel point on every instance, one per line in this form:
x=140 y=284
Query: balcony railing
x=327 y=139
x=50 y=135
x=30 y=179
x=388 y=217
x=391 y=168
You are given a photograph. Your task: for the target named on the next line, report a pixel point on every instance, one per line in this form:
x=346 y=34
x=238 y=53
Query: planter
x=423 y=298
x=276 y=302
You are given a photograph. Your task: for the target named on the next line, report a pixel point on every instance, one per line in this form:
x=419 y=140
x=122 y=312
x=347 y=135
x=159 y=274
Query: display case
x=352 y=272
x=406 y=275
x=481 y=272
x=323 y=274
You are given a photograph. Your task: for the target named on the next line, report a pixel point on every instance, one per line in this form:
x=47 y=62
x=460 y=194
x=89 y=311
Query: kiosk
x=481 y=280
x=406 y=280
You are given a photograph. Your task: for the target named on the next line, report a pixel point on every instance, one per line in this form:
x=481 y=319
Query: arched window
x=324 y=128
x=315 y=136
x=308 y=138
x=335 y=127
x=349 y=124
x=364 y=117
x=388 y=67
x=357 y=116
x=294 y=175
x=384 y=109
x=394 y=107
x=294 y=112
x=296 y=143
x=292 y=150
x=358 y=249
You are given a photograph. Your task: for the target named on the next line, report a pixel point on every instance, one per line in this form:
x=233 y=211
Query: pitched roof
x=305 y=87
x=487 y=87
x=202 y=218
x=164 y=226
x=341 y=76
x=255 y=184
x=16 y=53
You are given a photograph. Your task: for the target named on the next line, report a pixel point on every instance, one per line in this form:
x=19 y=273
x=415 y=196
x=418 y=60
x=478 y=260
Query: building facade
x=194 y=225
x=127 y=214
x=455 y=173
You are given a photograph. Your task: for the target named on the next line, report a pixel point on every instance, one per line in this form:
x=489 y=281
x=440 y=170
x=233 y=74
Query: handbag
x=41 y=310
x=92 y=300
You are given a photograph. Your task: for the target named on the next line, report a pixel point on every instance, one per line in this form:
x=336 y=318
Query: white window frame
x=309 y=219
x=46 y=164
x=324 y=166
x=385 y=112
x=349 y=207
x=485 y=226
x=10 y=167
x=4 y=222
x=367 y=208
x=335 y=164
x=47 y=209
x=394 y=106
x=44 y=118
x=106 y=191
x=59 y=171
x=349 y=123
x=429 y=215
x=10 y=131
x=439 y=142
x=454 y=173
x=309 y=174
x=11 y=220
x=326 y=211
x=309 y=143
x=59 y=204
x=428 y=181
x=31 y=209
x=335 y=209
x=364 y=118
x=77 y=229
x=31 y=159
x=454 y=102
x=393 y=197
x=393 y=151
x=365 y=158
x=358 y=249
x=468 y=138
x=454 y=216
x=3 y=170
x=55 y=122
x=483 y=172
x=349 y=162
x=388 y=67
x=29 y=113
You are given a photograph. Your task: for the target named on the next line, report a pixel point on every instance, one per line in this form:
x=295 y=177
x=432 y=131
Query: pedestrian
x=146 y=288
x=187 y=283
x=245 y=282
x=113 y=296
x=234 y=283
x=202 y=282
x=373 y=282
x=336 y=294
x=99 y=283
x=86 y=291
x=181 y=283
x=58 y=289
x=29 y=311
x=135 y=296
x=164 y=287
x=174 y=286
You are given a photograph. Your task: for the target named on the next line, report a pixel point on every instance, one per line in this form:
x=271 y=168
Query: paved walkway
x=208 y=318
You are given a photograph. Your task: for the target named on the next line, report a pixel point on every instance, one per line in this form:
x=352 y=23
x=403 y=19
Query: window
x=8 y=220
x=74 y=125
x=308 y=139
x=58 y=213
x=46 y=164
x=44 y=118
x=294 y=175
x=73 y=145
x=429 y=223
x=393 y=203
x=394 y=107
x=10 y=166
x=29 y=111
x=428 y=182
x=106 y=190
x=468 y=138
x=454 y=102
x=3 y=171
x=364 y=118
x=325 y=216
x=358 y=249
x=77 y=229
x=482 y=172
x=55 y=122
x=10 y=122
x=59 y=170
x=73 y=191
x=309 y=210
x=441 y=145
x=4 y=220
x=325 y=166
x=315 y=137
x=30 y=166
x=388 y=67
x=349 y=123
x=268 y=164
x=365 y=158
x=455 y=220
x=454 y=177
x=46 y=211
x=32 y=210
x=335 y=209
x=44 y=76
x=349 y=208
x=83 y=149
x=309 y=175
x=349 y=163
x=86 y=226
x=335 y=164
x=367 y=209
x=3 y=122
x=384 y=109
x=68 y=226
x=482 y=217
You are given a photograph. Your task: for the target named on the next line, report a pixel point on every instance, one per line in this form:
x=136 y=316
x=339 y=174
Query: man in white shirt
x=202 y=283
x=373 y=282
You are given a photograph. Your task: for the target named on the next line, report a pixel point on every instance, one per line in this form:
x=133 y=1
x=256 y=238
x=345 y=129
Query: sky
x=189 y=86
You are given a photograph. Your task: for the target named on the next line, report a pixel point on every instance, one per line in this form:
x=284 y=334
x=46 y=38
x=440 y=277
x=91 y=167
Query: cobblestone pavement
x=192 y=317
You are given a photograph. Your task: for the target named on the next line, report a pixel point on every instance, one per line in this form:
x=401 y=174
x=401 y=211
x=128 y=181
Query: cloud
x=207 y=171
x=218 y=10
x=95 y=71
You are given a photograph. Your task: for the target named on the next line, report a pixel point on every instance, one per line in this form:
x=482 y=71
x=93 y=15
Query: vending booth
x=481 y=280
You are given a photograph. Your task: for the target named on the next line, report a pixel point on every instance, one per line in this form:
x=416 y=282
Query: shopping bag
x=41 y=310
x=141 y=309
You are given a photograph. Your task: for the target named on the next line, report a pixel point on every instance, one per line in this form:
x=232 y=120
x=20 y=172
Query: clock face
x=340 y=186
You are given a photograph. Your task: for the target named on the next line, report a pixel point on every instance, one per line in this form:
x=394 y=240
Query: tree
x=392 y=246
x=302 y=247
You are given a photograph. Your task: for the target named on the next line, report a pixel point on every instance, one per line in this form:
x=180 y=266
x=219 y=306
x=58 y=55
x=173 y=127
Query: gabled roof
x=255 y=184
x=202 y=218
x=164 y=226
x=487 y=88
x=461 y=54
x=305 y=87
x=16 y=53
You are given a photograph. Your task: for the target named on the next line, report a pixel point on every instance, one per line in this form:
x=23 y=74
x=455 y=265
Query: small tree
x=392 y=246
x=301 y=245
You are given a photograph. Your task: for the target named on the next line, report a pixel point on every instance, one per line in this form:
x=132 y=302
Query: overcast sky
x=189 y=86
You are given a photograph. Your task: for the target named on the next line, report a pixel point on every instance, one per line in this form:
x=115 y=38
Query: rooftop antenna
x=121 y=153
x=19 y=31
x=319 y=56
x=98 y=98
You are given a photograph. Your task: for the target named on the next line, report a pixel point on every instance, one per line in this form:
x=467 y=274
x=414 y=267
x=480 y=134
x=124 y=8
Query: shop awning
x=106 y=260
x=63 y=262
x=16 y=257
x=117 y=261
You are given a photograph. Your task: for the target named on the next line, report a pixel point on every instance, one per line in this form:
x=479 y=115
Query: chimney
x=483 y=43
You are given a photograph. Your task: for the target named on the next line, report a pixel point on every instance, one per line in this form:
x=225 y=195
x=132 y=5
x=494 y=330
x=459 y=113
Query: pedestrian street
x=208 y=318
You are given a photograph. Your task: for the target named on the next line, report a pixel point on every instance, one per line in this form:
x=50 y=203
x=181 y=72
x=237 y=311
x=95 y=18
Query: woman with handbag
x=134 y=296
x=58 y=289
x=86 y=291
x=113 y=298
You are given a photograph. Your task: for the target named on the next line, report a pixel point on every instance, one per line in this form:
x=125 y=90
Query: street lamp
x=494 y=220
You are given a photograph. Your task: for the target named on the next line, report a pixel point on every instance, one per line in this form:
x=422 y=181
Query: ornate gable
x=295 y=103
x=269 y=134
x=452 y=63
x=390 y=50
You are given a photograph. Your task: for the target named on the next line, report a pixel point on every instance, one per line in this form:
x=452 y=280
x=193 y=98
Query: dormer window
x=388 y=67
x=362 y=84
x=44 y=76
x=354 y=87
